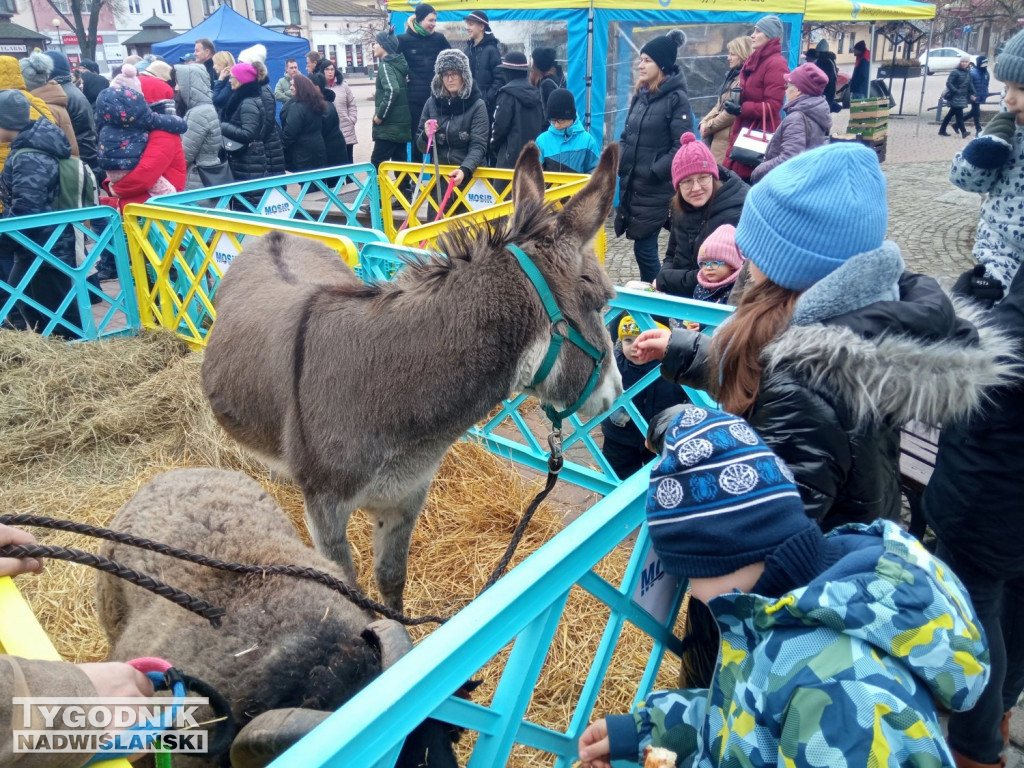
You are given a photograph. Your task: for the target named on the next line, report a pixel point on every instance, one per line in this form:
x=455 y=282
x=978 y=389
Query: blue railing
x=57 y=295
x=320 y=195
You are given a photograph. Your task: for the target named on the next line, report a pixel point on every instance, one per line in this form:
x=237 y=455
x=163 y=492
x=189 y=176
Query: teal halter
x=557 y=339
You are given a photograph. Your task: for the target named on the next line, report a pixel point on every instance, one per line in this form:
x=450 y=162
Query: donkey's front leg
x=327 y=517
x=392 y=532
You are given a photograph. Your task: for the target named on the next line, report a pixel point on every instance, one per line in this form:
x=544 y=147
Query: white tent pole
x=924 y=81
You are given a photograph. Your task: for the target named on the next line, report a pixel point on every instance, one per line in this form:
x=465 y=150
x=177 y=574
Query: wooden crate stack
x=869 y=120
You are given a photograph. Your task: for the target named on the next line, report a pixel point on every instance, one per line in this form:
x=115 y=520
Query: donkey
x=356 y=391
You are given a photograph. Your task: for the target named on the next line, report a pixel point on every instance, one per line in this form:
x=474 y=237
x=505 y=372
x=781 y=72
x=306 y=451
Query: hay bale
x=82 y=426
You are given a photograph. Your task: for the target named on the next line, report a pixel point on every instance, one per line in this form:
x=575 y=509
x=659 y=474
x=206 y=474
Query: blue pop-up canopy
x=230 y=31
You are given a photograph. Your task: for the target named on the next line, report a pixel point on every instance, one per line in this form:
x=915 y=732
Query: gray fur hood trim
x=447 y=60
x=860 y=280
x=898 y=378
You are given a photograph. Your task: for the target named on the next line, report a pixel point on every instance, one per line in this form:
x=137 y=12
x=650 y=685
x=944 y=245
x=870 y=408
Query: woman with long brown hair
x=658 y=115
x=833 y=346
x=302 y=119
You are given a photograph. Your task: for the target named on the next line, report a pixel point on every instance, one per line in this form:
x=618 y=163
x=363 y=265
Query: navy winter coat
x=484 y=63
x=420 y=54
x=973 y=501
x=650 y=139
x=518 y=119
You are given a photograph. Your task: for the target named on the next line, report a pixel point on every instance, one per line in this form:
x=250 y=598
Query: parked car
x=942 y=58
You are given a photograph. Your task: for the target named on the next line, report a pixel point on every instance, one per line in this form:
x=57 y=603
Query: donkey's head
x=562 y=247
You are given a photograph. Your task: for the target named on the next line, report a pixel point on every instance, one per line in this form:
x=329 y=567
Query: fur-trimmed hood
x=920 y=356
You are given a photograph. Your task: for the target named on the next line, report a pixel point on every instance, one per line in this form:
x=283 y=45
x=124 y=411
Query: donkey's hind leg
x=392 y=532
x=327 y=517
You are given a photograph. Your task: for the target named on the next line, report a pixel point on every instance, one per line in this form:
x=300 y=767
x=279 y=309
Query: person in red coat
x=163 y=156
x=762 y=87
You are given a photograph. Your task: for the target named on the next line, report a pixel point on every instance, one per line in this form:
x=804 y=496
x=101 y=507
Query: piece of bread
x=658 y=757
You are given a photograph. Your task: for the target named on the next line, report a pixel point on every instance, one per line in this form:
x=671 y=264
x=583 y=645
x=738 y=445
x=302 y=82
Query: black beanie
x=664 y=49
x=543 y=58
x=423 y=10
x=561 y=105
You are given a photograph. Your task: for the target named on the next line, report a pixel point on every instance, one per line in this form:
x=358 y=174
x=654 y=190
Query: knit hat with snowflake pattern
x=719 y=498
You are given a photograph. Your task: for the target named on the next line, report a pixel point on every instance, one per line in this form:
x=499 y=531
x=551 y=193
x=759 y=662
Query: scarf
x=419 y=30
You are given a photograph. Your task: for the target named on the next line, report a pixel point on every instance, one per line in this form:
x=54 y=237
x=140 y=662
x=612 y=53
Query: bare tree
x=86 y=32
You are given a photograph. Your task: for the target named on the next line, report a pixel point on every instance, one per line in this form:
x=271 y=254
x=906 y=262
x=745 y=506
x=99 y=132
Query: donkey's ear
x=527 y=183
x=588 y=209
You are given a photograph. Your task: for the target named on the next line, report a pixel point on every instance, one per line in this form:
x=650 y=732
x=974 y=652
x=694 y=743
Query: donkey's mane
x=463 y=244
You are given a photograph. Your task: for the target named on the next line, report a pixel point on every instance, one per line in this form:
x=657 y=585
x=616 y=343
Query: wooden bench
x=918 y=446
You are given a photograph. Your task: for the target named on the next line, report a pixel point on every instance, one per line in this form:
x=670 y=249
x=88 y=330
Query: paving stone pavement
x=932 y=221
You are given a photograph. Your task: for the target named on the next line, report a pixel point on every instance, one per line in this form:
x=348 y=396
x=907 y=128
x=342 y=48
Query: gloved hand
x=973 y=285
x=1002 y=126
x=620 y=222
x=733 y=107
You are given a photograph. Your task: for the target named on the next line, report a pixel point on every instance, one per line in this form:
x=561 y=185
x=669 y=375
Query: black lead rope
x=555 y=462
x=84 y=558
x=213 y=614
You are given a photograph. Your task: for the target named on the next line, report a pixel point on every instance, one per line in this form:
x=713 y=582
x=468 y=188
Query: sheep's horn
x=391 y=638
x=267 y=736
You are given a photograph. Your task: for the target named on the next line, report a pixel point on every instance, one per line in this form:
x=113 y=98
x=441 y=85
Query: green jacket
x=391 y=103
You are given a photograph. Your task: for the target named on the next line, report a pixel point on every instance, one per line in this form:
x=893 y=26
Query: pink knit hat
x=129 y=78
x=244 y=73
x=809 y=78
x=691 y=158
x=720 y=246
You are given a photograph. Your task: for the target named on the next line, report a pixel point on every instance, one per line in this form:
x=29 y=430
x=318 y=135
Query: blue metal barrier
x=270 y=196
x=57 y=296
x=524 y=607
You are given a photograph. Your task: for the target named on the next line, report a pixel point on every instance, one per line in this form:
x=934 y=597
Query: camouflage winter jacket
x=841 y=672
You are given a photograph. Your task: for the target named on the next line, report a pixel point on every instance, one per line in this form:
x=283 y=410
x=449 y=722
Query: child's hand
x=651 y=345
x=594 y=747
x=1002 y=126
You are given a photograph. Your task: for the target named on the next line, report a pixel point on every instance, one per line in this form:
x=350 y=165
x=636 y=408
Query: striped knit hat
x=719 y=498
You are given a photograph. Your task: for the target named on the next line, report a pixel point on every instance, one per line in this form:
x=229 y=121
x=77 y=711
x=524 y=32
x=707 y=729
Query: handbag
x=215 y=175
x=750 y=144
x=230 y=145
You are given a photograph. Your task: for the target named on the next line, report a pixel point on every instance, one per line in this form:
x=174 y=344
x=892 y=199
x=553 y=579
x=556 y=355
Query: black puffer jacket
x=462 y=127
x=835 y=418
x=958 y=85
x=92 y=84
x=245 y=123
x=271 y=130
x=690 y=228
x=484 y=63
x=303 y=137
x=973 y=501
x=518 y=119
x=83 y=122
x=649 y=142
x=420 y=54
x=334 y=141
x=826 y=62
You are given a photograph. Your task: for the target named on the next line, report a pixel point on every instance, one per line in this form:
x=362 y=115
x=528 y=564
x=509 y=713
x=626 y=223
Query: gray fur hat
x=1010 y=63
x=36 y=70
x=448 y=60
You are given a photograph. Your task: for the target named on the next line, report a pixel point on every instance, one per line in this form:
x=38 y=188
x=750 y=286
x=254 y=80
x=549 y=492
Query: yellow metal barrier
x=21 y=635
x=426 y=235
x=179 y=256
x=487 y=188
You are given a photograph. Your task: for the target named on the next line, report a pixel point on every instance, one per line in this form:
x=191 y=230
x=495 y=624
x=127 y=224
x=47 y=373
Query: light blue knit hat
x=812 y=213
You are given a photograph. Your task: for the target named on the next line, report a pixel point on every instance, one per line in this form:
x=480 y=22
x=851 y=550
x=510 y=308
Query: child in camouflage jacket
x=834 y=648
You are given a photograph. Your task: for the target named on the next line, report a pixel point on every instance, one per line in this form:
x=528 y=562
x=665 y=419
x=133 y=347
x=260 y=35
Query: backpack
x=77 y=183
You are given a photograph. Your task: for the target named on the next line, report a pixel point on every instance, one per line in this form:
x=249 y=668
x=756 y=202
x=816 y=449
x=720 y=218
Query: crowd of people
x=833 y=346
